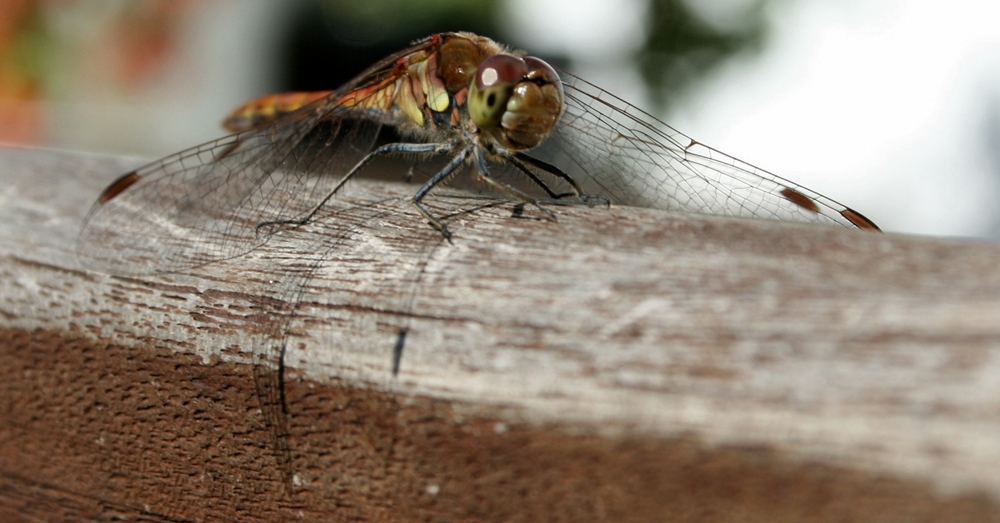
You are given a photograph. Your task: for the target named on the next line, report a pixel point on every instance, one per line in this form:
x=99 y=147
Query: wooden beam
x=617 y=365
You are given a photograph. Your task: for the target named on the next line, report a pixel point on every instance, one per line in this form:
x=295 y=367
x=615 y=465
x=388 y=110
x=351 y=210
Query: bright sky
x=889 y=106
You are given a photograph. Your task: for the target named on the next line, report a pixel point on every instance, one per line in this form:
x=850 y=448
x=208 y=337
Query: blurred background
x=890 y=106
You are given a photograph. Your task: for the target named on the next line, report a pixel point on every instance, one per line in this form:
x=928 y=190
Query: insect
x=458 y=101
x=458 y=97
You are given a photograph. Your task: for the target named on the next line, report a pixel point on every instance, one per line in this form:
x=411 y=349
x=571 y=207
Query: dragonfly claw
x=549 y=215
x=443 y=229
x=591 y=199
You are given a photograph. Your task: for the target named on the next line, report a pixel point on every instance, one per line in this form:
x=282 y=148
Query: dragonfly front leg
x=438 y=178
x=388 y=149
x=520 y=159
x=484 y=175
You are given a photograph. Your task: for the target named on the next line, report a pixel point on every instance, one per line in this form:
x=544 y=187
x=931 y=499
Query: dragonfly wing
x=616 y=150
x=204 y=204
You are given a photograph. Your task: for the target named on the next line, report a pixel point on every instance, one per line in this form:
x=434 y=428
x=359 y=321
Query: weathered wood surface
x=618 y=365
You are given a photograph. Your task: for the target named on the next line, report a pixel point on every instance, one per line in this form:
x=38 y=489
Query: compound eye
x=540 y=71
x=496 y=78
x=500 y=69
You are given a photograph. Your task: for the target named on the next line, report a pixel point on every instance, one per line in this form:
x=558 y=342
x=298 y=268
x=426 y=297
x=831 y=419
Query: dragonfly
x=456 y=101
x=523 y=128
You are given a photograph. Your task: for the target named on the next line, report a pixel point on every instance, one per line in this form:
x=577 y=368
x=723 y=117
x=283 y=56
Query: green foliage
x=683 y=46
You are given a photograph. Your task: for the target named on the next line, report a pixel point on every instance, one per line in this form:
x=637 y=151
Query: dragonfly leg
x=438 y=178
x=484 y=175
x=551 y=169
x=387 y=149
x=559 y=173
x=538 y=181
x=588 y=198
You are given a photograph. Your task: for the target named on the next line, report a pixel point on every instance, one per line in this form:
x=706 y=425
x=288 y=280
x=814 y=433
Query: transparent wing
x=614 y=149
x=204 y=204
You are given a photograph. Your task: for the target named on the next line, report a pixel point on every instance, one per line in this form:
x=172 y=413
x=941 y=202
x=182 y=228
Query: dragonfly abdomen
x=266 y=109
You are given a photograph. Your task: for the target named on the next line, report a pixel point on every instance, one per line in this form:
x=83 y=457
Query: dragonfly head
x=516 y=100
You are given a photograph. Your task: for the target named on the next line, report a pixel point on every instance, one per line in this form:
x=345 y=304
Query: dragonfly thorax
x=517 y=101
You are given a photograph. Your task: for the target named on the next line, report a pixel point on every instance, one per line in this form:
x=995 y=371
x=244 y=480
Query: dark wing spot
x=858 y=220
x=800 y=199
x=123 y=182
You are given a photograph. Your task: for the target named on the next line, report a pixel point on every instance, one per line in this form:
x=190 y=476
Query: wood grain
x=619 y=364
